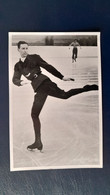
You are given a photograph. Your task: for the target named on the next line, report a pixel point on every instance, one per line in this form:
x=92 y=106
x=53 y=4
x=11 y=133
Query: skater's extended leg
x=76 y=91
x=55 y=91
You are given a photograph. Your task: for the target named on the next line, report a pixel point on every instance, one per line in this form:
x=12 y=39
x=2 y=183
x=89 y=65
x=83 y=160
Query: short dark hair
x=21 y=42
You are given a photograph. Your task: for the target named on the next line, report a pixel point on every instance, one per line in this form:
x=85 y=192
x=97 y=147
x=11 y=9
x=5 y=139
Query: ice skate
x=90 y=87
x=36 y=145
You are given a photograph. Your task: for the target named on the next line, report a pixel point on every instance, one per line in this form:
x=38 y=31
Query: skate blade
x=35 y=149
x=31 y=150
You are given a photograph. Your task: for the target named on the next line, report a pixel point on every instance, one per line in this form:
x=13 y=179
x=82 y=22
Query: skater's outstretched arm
x=72 y=44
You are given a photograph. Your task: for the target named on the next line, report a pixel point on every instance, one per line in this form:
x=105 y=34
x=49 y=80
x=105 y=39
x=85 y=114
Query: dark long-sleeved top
x=31 y=66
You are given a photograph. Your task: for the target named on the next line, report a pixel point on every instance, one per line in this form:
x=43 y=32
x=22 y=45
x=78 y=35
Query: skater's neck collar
x=22 y=59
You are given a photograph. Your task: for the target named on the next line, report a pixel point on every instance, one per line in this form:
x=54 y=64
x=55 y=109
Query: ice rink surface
x=70 y=129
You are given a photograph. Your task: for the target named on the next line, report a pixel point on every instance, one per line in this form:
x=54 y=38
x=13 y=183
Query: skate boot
x=37 y=144
x=90 y=87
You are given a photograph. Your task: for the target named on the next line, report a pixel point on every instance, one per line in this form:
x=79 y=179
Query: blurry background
x=57 y=40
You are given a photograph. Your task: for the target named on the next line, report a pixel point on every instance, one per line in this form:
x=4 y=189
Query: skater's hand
x=25 y=82
x=65 y=78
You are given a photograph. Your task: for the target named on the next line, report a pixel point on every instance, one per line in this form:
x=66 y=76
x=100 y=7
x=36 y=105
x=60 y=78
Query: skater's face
x=23 y=50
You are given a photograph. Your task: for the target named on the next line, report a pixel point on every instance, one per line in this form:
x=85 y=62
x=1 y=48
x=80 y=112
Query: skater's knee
x=34 y=115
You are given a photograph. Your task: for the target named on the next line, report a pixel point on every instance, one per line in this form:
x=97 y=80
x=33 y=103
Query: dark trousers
x=75 y=53
x=48 y=88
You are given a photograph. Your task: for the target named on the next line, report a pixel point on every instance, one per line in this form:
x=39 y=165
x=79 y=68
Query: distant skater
x=75 y=50
x=30 y=67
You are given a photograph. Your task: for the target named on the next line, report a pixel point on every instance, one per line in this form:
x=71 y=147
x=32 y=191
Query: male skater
x=29 y=66
x=75 y=50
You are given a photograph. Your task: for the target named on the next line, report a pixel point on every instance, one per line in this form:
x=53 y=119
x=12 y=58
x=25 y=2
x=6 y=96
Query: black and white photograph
x=55 y=100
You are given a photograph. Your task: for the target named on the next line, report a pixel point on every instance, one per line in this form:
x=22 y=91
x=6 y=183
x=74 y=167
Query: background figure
x=75 y=49
x=49 y=40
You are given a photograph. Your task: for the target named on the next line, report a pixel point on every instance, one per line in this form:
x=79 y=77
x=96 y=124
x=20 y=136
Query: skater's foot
x=37 y=144
x=90 y=87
